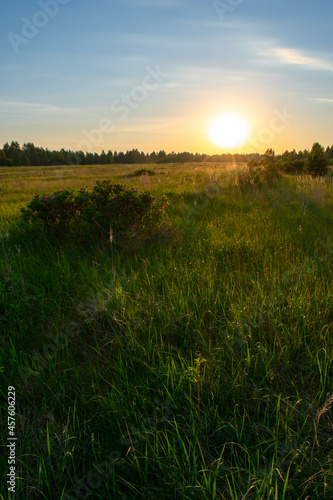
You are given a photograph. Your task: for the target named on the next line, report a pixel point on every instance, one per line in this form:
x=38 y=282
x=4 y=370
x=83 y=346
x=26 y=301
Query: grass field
x=197 y=366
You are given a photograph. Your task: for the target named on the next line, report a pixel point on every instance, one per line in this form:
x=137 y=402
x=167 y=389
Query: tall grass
x=199 y=366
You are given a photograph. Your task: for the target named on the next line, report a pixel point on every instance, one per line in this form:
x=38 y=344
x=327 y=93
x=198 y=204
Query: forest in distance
x=14 y=154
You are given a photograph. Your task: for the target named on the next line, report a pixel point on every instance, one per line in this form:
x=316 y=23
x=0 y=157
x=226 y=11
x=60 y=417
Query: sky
x=153 y=74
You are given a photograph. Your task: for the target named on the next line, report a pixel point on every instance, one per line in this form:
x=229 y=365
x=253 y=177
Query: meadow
x=196 y=366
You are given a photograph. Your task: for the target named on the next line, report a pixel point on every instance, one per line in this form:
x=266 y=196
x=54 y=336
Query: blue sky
x=153 y=74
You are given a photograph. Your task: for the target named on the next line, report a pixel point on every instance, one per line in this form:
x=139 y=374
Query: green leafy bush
x=106 y=206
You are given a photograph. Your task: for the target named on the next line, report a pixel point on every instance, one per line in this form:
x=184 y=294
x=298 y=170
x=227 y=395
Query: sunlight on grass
x=189 y=367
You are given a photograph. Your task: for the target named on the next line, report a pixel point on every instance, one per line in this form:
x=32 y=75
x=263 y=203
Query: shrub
x=263 y=173
x=292 y=166
x=59 y=209
x=107 y=206
x=142 y=171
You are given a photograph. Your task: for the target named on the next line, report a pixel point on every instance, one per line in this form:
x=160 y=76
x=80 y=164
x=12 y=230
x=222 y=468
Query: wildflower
x=163 y=206
x=131 y=200
x=61 y=191
x=46 y=198
x=53 y=197
x=133 y=227
x=44 y=204
x=121 y=203
x=127 y=191
x=104 y=180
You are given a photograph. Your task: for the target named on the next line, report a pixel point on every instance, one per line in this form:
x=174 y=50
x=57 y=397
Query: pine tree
x=317 y=162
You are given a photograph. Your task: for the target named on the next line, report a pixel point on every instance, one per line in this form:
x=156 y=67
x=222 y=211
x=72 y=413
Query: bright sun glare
x=228 y=131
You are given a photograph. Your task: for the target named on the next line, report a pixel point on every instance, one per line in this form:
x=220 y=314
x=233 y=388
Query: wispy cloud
x=294 y=56
x=33 y=107
x=324 y=100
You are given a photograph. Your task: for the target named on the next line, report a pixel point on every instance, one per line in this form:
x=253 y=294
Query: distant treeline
x=15 y=155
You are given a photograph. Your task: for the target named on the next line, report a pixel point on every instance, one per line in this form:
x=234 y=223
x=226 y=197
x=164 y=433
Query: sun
x=229 y=130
